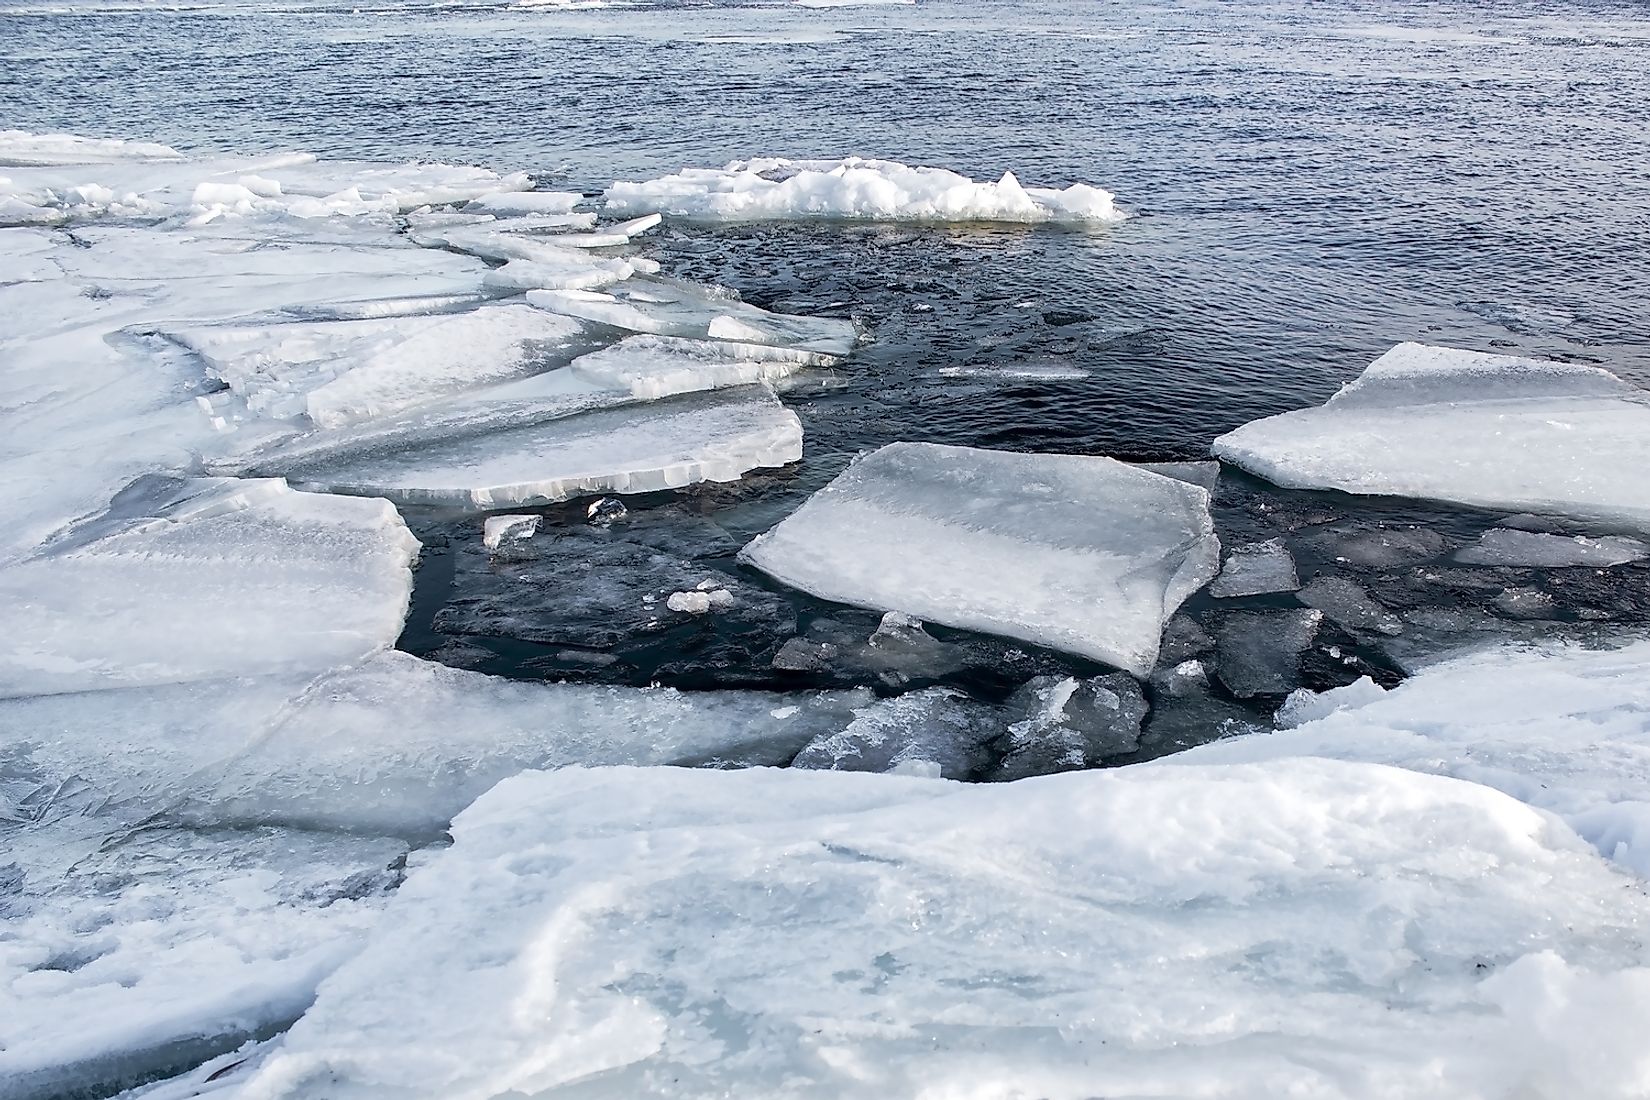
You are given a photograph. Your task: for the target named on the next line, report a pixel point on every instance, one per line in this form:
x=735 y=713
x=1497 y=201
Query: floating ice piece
x=1256 y=569
x=1506 y=546
x=524 y=202
x=341 y=372
x=1071 y=724
x=699 y=602
x=1259 y=653
x=1080 y=554
x=496 y=530
x=635 y=448
x=1493 y=431
x=663 y=308
x=220 y=583
x=1204 y=474
x=649 y=367
x=1345 y=602
x=937 y=727
x=1303 y=927
x=1560 y=727
x=880 y=190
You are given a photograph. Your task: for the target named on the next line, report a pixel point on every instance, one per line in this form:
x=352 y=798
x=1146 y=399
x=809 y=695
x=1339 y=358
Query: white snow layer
x=1494 y=431
x=1563 y=730
x=1299 y=928
x=882 y=190
x=1080 y=554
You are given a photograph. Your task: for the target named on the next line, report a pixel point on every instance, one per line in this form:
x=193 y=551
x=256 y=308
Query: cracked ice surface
x=1419 y=936
x=855 y=188
x=1079 y=554
x=1492 y=431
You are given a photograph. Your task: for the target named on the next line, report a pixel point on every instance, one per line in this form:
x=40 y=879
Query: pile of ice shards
x=226 y=799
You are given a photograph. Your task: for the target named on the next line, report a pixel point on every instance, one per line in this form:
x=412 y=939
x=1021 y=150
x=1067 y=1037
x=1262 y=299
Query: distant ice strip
x=1075 y=553
x=773 y=189
x=1492 y=431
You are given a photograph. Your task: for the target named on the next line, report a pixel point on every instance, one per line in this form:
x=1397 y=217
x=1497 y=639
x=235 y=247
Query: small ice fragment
x=920 y=769
x=1256 y=569
x=693 y=603
x=1260 y=653
x=1347 y=604
x=605 y=512
x=1504 y=546
x=783 y=713
x=496 y=529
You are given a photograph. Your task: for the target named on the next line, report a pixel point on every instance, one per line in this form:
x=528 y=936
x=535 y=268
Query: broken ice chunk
x=1071 y=724
x=662 y=308
x=276 y=580
x=1256 y=569
x=342 y=372
x=1075 y=553
x=650 y=367
x=635 y=448
x=1493 y=431
x=1505 y=546
x=699 y=602
x=1346 y=603
x=576 y=271
x=1259 y=653
x=497 y=529
x=1204 y=474
x=936 y=726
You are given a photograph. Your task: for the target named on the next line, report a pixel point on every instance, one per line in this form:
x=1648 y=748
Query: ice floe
x=1301 y=927
x=1508 y=546
x=650 y=367
x=1493 y=431
x=1085 y=555
x=629 y=449
x=220 y=583
x=882 y=190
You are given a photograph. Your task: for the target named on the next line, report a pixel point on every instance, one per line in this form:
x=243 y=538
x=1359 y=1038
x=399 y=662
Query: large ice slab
x=1494 y=431
x=1562 y=729
x=1080 y=554
x=634 y=448
x=1303 y=927
x=204 y=580
x=883 y=190
x=341 y=372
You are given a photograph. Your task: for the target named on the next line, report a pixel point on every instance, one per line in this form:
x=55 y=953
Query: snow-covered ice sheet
x=162 y=947
x=1493 y=431
x=1080 y=554
x=855 y=188
x=1563 y=729
x=1303 y=927
x=232 y=578
x=394 y=745
x=634 y=448
x=340 y=372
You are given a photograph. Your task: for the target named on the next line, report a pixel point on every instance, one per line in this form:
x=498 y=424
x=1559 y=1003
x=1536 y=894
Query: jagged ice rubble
x=250 y=849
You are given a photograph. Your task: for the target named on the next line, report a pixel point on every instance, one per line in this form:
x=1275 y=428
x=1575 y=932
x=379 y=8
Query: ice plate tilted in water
x=1492 y=431
x=1075 y=553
